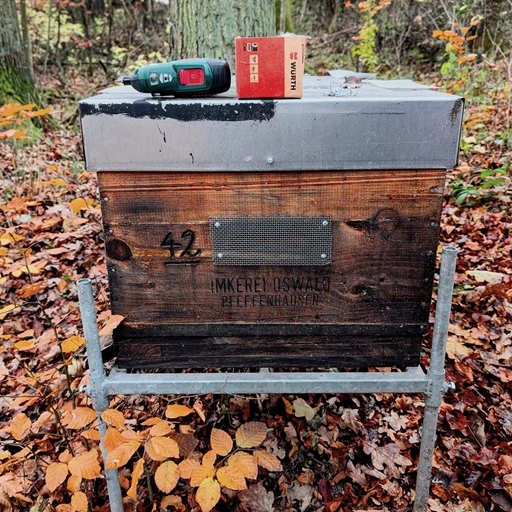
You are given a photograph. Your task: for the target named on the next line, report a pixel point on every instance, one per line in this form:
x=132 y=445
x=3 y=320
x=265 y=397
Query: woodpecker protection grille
x=283 y=241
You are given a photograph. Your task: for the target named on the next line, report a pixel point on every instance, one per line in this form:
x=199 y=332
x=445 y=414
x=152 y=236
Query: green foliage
x=364 y=50
x=478 y=185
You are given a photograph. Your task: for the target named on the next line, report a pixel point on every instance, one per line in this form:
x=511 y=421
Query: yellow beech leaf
x=58 y=182
x=65 y=456
x=186 y=468
x=167 y=476
x=177 y=411
x=230 y=477
x=79 y=418
x=161 y=448
x=138 y=469
x=92 y=434
x=79 y=204
x=25 y=345
x=251 y=434
x=11 y=308
x=111 y=324
x=121 y=455
x=267 y=460
x=245 y=463
x=162 y=428
x=73 y=483
x=20 y=426
x=113 y=439
x=79 y=502
x=209 y=459
x=150 y=422
x=221 y=442
x=200 y=474
x=85 y=465
x=113 y=417
x=208 y=494
x=73 y=343
x=9 y=238
x=56 y=473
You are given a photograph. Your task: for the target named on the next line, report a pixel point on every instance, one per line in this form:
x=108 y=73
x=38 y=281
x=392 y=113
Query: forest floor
x=327 y=452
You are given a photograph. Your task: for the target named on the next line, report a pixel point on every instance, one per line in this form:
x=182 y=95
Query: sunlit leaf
x=209 y=459
x=92 y=434
x=73 y=484
x=187 y=467
x=113 y=439
x=79 y=502
x=208 y=494
x=138 y=470
x=121 y=455
x=167 y=476
x=230 y=477
x=162 y=428
x=78 y=205
x=79 y=418
x=85 y=465
x=9 y=238
x=245 y=463
x=56 y=473
x=221 y=442
x=251 y=434
x=25 y=345
x=113 y=417
x=200 y=474
x=177 y=411
x=73 y=343
x=161 y=448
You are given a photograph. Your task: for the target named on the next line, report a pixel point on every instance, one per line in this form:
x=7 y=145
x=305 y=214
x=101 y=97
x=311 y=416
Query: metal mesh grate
x=285 y=241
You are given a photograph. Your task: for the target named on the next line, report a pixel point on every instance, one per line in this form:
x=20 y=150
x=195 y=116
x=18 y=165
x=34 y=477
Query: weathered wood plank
x=269 y=351
x=161 y=270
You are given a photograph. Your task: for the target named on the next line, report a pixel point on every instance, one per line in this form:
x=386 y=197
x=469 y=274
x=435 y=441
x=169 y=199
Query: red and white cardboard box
x=269 y=67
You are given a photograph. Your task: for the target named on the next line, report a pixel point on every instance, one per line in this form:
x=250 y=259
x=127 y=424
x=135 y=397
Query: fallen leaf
x=160 y=448
x=56 y=474
x=221 y=442
x=303 y=410
x=231 y=477
x=251 y=434
x=167 y=476
x=208 y=494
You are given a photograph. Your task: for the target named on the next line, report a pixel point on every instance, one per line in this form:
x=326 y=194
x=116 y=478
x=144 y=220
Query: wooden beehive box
x=272 y=233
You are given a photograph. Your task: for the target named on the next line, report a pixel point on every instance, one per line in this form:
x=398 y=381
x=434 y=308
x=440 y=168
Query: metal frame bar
x=413 y=380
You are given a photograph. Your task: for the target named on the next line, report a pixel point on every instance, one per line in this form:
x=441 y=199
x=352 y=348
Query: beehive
x=272 y=233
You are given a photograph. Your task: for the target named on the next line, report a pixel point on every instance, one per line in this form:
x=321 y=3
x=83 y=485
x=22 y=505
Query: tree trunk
x=15 y=78
x=201 y=28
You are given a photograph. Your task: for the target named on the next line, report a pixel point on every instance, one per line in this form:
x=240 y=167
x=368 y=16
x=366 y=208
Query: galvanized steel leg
x=97 y=376
x=435 y=375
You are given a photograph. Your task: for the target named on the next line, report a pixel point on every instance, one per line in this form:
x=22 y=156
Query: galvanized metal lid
x=379 y=125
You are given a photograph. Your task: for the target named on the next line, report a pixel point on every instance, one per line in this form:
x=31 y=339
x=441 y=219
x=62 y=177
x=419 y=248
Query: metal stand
x=413 y=380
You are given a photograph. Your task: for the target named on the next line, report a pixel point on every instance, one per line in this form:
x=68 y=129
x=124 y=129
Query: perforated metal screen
x=284 y=241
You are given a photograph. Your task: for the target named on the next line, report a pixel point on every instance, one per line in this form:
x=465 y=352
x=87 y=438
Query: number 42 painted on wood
x=187 y=255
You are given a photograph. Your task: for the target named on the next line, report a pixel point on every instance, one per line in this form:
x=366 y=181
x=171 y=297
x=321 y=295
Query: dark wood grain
x=385 y=232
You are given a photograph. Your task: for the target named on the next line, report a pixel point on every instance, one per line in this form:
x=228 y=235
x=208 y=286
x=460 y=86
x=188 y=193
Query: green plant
x=364 y=50
x=479 y=185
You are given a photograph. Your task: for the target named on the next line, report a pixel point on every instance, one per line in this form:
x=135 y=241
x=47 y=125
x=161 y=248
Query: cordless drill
x=182 y=78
